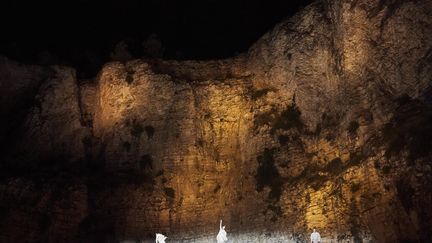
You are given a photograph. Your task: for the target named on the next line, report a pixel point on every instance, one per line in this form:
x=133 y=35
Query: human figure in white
x=222 y=235
x=315 y=237
x=160 y=238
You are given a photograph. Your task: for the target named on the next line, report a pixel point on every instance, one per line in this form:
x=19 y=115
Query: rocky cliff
x=325 y=123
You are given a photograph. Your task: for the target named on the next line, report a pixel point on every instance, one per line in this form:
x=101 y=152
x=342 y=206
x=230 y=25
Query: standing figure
x=160 y=238
x=222 y=235
x=315 y=237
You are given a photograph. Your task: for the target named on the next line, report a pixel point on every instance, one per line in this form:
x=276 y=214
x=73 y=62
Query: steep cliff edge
x=325 y=123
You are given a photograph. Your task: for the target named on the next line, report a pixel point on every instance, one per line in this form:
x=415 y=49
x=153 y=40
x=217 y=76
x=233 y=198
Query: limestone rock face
x=325 y=123
x=53 y=125
x=18 y=86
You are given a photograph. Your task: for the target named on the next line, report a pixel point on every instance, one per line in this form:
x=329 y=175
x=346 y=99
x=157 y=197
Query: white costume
x=160 y=238
x=222 y=235
x=315 y=237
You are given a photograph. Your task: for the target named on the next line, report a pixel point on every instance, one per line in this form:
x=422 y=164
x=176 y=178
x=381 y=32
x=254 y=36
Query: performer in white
x=222 y=235
x=160 y=238
x=315 y=237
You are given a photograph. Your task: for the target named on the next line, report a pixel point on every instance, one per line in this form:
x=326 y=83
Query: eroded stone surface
x=324 y=123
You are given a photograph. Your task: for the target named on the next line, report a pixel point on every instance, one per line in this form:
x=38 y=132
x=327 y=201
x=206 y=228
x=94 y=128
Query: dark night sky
x=82 y=33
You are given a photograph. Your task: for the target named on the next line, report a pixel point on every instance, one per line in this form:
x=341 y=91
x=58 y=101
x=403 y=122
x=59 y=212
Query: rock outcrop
x=325 y=123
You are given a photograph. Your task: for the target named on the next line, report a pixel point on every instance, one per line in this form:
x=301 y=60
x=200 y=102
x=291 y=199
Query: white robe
x=160 y=238
x=222 y=235
x=315 y=237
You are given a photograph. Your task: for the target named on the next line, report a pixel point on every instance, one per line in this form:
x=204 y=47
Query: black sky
x=82 y=33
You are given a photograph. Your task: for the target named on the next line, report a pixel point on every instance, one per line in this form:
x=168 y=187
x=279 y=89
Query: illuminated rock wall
x=191 y=140
x=324 y=123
